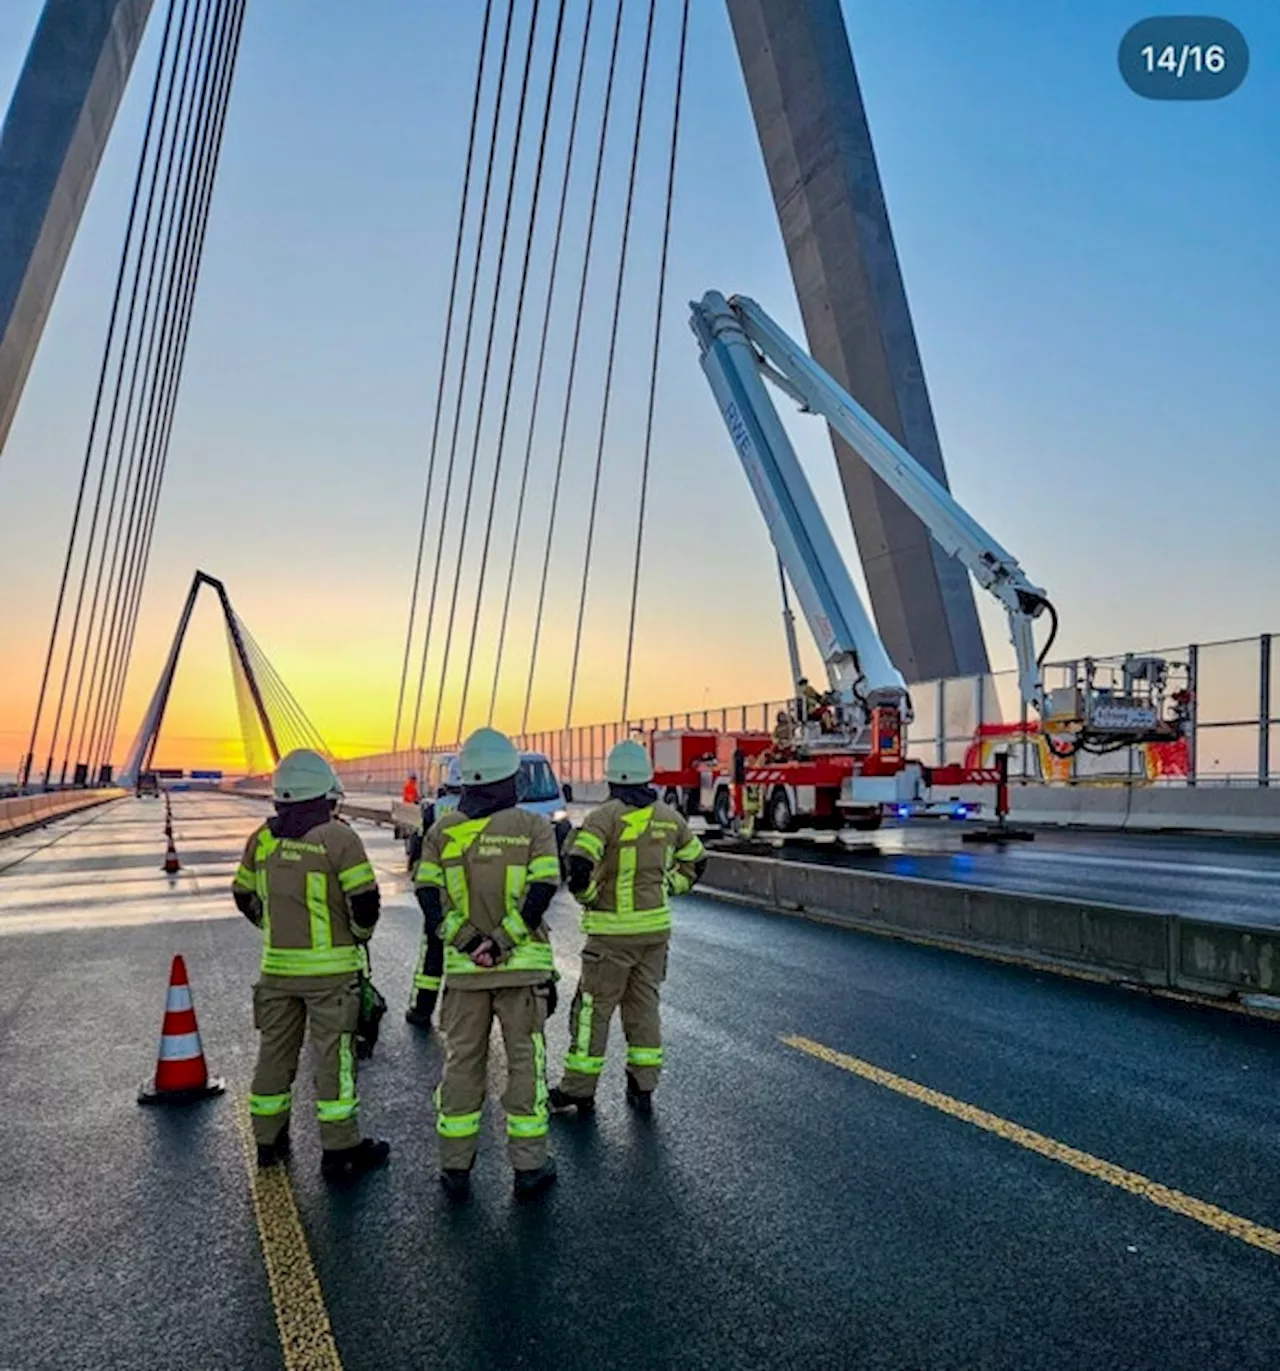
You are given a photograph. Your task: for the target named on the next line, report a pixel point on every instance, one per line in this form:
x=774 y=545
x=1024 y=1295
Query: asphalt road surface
x=864 y=1154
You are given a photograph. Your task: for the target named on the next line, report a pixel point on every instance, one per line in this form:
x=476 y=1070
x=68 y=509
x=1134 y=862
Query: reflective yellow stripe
x=270 y=1106
x=335 y=1111
x=636 y=824
x=345 y=1106
x=534 y=1125
x=459 y=896
x=421 y=982
x=589 y=844
x=513 y=884
x=634 y=827
x=356 y=876
x=245 y=878
x=318 y=909
x=459 y=837
x=346 y=1068
x=585 y=1015
x=540 y=1092
x=639 y=921
x=644 y=1056
x=516 y=928
x=307 y=961
x=584 y=1065
x=545 y=869
x=266 y=846
x=691 y=851
x=458 y=1125
x=625 y=885
x=429 y=874
x=530 y=956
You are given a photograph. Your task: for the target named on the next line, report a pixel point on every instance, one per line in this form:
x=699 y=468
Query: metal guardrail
x=1237 y=712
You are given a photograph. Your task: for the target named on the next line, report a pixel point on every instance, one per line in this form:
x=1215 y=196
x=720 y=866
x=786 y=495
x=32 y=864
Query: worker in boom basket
x=488 y=873
x=630 y=855
x=306 y=881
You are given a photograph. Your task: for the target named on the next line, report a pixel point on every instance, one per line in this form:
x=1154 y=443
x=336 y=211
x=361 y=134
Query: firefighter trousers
x=427 y=973
x=283 y=1008
x=466 y=1019
x=617 y=972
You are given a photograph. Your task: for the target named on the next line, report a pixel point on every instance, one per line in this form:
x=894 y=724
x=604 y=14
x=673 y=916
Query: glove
x=485 y=954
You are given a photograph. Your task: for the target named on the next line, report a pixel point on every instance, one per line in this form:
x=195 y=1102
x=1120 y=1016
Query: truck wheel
x=722 y=811
x=781 y=819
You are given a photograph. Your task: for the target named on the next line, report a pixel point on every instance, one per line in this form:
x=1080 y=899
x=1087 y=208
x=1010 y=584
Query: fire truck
x=841 y=757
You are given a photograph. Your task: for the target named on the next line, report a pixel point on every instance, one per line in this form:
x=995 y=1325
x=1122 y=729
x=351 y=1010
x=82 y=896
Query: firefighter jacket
x=304 y=888
x=640 y=858
x=483 y=868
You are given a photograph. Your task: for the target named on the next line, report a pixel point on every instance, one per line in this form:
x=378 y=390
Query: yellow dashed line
x=1255 y=1234
x=306 y=1337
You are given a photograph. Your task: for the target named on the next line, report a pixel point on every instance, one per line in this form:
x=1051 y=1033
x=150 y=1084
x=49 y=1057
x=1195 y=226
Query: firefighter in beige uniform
x=488 y=873
x=628 y=857
x=306 y=881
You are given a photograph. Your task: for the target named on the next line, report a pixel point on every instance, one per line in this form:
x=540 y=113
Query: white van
x=537 y=790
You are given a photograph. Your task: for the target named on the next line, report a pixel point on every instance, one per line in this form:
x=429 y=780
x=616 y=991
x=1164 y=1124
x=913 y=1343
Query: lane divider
x=1255 y=1234
x=302 y=1318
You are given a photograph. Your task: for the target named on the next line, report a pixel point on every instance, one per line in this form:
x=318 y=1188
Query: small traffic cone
x=181 y=1074
x=171 y=863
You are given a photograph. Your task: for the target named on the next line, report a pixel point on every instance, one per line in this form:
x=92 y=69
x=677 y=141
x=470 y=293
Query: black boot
x=560 y=1103
x=639 y=1100
x=347 y=1162
x=457 y=1184
x=420 y=1011
x=530 y=1184
x=272 y=1152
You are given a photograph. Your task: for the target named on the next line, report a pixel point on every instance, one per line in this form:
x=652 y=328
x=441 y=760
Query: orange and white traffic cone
x=181 y=1073
x=171 y=865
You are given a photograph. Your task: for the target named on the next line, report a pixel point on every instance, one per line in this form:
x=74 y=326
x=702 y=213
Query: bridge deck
x=1202 y=876
x=781 y=1209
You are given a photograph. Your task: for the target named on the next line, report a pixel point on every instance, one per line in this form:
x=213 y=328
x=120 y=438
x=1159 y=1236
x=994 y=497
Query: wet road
x=1228 y=878
x=865 y=1154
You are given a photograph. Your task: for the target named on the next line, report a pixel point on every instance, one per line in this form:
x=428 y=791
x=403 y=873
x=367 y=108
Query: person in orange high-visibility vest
x=410 y=792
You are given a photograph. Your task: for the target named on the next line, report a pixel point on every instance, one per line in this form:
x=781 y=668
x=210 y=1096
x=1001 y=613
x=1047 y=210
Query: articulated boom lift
x=742 y=347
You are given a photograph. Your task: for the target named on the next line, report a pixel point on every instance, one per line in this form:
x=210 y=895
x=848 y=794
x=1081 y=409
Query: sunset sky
x=1093 y=277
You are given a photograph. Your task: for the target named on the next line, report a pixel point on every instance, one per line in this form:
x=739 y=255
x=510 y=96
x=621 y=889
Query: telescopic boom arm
x=856 y=659
x=955 y=530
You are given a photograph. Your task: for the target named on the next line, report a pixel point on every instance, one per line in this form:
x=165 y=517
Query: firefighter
x=630 y=855
x=306 y=881
x=784 y=733
x=488 y=873
x=410 y=792
x=809 y=702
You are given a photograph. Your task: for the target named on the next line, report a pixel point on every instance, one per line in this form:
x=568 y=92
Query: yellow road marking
x=1255 y=1234
x=306 y=1337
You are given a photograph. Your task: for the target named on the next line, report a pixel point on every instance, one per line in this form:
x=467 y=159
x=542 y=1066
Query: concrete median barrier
x=25 y=812
x=1133 y=946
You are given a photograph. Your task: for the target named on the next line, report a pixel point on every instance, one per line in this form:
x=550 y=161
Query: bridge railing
x=1236 y=718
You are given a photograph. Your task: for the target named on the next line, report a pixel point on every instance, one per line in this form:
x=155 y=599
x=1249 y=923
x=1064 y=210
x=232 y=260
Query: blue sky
x=1093 y=279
